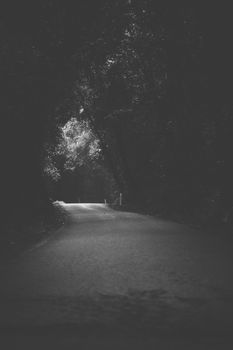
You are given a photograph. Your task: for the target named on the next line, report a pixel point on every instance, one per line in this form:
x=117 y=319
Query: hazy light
x=89 y=206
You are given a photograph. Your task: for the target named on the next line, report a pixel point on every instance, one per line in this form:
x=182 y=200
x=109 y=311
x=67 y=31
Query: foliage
x=79 y=144
x=76 y=145
x=74 y=168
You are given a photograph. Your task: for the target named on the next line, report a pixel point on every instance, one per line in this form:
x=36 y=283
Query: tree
x=74 y=168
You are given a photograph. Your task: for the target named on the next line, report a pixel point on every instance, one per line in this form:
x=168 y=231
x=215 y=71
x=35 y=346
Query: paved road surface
x=108 y=273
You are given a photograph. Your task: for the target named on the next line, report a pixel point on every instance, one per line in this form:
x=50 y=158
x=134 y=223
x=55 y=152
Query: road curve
x=121 y=270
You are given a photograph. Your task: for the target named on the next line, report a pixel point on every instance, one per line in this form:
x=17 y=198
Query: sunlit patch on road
x=87 y=206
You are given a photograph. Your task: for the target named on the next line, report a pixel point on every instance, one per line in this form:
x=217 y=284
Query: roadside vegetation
x=22 y=234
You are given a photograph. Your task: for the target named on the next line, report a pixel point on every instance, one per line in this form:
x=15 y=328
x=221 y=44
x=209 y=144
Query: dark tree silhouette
x=154 y=81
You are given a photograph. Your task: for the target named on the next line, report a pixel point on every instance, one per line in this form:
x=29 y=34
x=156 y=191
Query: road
x=106 y=273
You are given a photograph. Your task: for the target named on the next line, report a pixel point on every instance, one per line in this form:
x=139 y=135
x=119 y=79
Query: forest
x=108 y=97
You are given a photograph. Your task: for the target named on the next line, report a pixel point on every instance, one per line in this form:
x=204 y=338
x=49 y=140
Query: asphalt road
x=107 y=273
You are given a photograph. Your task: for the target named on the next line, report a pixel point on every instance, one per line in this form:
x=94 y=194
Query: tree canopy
x=153 y=80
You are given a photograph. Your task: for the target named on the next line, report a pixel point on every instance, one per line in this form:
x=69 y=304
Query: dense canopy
x=152 y=81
